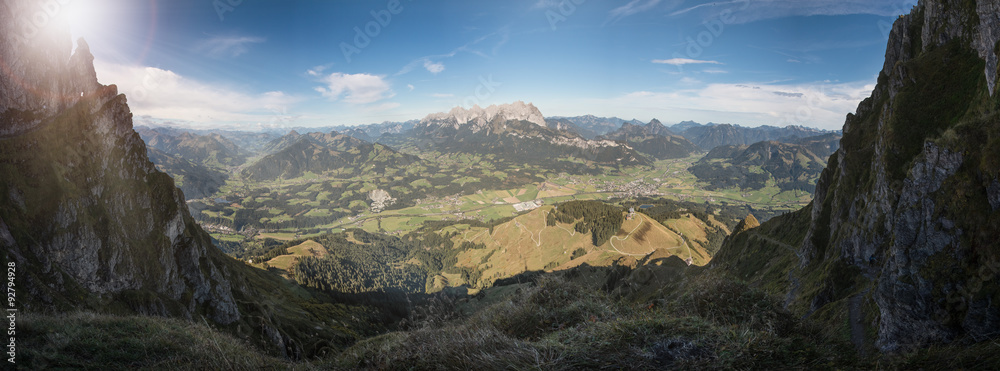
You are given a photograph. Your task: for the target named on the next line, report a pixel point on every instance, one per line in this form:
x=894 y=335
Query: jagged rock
x=108 y=223
x=479 y=117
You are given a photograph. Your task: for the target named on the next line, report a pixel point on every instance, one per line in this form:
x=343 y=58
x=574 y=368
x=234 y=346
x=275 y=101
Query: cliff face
x=910 y=199
x=92 y=225
x=83 y=207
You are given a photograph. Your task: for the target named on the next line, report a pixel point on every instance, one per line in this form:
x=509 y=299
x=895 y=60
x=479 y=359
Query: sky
x=270 y=64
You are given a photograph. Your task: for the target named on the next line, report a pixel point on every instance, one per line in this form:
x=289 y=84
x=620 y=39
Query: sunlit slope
x=527 y=243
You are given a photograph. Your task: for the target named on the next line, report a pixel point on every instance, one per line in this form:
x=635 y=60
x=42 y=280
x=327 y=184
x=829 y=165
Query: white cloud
x=746 y=11
x=822 y=104
x=434 y=68
x=227 y=46
x=165 y=95
x=410 y=86
x=715 y=72
x=316 y=71
x=355 y=89
x=683 y=61
x=794 y=61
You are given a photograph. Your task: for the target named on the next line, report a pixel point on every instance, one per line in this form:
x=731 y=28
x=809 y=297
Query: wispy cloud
x=683 y=61
x=545 y=4
x=820 y=104
x=410 y=86
x=502 y=36
x=633 y=7
x=355 y=89
x=227 y=46
x=747 y=11
x=166 y=95
x=709 y=4
x=690 y=81
x=318 y=70
x=434 y=68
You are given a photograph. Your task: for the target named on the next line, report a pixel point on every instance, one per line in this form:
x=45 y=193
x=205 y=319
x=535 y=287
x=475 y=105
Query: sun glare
x=82 y=17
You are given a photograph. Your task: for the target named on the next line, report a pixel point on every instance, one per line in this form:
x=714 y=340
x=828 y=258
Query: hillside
x=822 y=145
x=786 y=166
x=476 y=254
x=195 y=180
x=330 y=154
x=901 y=236
x=653 y=139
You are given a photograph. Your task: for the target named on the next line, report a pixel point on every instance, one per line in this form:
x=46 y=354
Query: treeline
x=600 y=219
x=351 y=268
x=248 y=248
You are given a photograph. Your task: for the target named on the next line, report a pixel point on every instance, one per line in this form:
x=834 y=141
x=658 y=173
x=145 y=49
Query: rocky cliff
x=92 y=225
x=905 y=216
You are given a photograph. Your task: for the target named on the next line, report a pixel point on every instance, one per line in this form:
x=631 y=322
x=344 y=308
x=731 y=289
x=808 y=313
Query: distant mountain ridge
x=295 y=154
x=710 y=136
x=590 y=126
x=211 y=149
x=790 y=166
x=653 y=139
x=515 y=132
x=195 y=180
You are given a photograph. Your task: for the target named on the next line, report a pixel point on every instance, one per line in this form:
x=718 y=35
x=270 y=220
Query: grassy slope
x=527 y=244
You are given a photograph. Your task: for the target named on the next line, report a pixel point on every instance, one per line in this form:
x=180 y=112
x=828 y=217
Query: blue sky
x=250 y=64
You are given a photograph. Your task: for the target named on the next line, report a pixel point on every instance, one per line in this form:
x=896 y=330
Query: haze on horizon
x=249 y=65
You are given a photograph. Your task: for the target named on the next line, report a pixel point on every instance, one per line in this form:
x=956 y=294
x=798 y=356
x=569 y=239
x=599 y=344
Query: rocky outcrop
x=85 y=214
x=82 y=202
x=910 y=198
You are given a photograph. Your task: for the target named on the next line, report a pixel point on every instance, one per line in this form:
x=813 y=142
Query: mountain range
x=789 y=166
x=294 y=154
x=516 y=133
x=708 y=137
x=653 y=139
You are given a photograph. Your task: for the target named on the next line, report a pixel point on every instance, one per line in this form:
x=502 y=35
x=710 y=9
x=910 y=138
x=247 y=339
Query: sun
x=83 y=18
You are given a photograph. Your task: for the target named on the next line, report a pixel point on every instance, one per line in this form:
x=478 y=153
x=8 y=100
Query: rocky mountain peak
x=479 y=117
x=108 y=225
